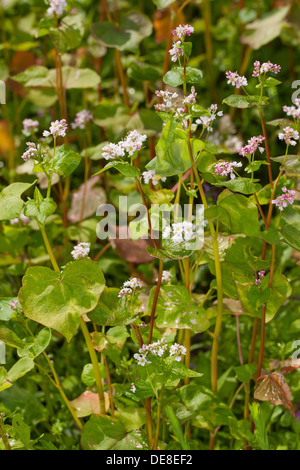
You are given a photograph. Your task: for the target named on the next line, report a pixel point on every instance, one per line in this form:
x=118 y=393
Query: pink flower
x=31 y=151
x=293 y=110
x=206 y=121
x=13 y=304
x=224 y=168
x=190 y=99
x=234 y=79
x=57 y=128
x=176 y=51
x=57 y=7
x=288 y=196
x=30 y=126
x=111 y=151
x=289 y=135
x=81 y=250
x=264 y=68
x=82 y=117
x=253 y=145
x=183 y=30
x=261 y=275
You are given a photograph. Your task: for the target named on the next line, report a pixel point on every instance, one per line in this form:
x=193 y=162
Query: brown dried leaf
x=88 y=403
x=94 y=197
x=132 y=251
x=275 y=389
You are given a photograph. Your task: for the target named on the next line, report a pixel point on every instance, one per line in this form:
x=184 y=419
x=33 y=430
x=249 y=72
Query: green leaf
x=265 y=29
x=4 y=383
x=33 y=76
x=271 y=236
x=260 y=432
x=176 y=427
x=193 y=75
x=133 y=28
x=240 y=101
x=58 y=300
x=175 y=77
x=270 y=82
x=290 y=164
x=117 y=335
x=5 y=310
x=123 y=167
x=187 y=49
x=41 y=341
x=106 y=433
x=169 y=253
x=174 y=310
x=40 y=208
x=20 y=368
x=143 y=72
x=254 y=166
x=11 y=203
x=245 y=372
x=242 y=213
x=10 y=338
x=88 y=375
x=218 y=213
x=279 y=293
x=110 y=35
x=22 y=431
x=290 y=227
x=113 y=311
x=240 y=185
x=65 y=161
x=69 y=34
x=161 y=4
x=73 y=77
x=172 y=152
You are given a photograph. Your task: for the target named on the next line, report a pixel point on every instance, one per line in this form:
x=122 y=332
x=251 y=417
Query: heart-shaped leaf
x=58 y=300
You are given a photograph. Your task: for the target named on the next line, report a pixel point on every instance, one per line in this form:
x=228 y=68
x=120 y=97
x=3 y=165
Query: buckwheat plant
x=124 y=343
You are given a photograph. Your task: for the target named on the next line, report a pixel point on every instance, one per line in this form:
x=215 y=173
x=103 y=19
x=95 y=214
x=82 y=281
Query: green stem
x=48 y=248
x=4 y=437
x=159 y=403
x=62 y=393
x=96 y=368
x=214 y=235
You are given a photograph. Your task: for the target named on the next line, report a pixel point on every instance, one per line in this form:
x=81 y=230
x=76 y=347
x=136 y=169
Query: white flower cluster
x=191 y=98
x=132 y=143
x=57 y=7
x=57 y=128
x=82 y=117
x=180 y=232
x=293 y=110
x=170 y=102
x=150 y=176
x=31 y=152
x=166 y=276
x=206 y=121
x=81 y=250
x=158 y=349
x=177 y=351
x=129 y=286
x=30 y=126
x=25 y=220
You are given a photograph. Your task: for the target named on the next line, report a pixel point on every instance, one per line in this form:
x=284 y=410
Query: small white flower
x=81 y=250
